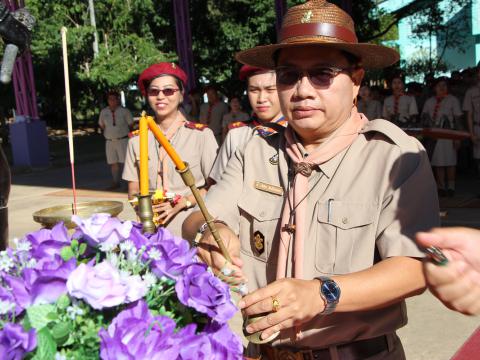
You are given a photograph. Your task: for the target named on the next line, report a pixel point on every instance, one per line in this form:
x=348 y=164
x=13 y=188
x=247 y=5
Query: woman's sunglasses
x=321 y=76
x=166 y=92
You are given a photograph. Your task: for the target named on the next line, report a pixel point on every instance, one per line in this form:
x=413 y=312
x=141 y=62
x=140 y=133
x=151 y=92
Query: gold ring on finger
x=275 y=304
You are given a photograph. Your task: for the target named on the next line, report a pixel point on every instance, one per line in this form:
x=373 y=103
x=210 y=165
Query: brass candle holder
x=145 y=213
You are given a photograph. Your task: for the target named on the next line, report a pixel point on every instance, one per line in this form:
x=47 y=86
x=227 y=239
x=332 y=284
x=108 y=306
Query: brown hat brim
x=371 y=56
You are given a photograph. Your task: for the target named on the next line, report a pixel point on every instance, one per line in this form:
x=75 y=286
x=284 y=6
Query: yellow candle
x=166 y=144
x=144 y=155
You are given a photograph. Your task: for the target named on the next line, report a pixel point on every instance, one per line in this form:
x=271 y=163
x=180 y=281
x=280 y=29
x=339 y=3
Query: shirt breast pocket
x=259 y=224
x=345 y=230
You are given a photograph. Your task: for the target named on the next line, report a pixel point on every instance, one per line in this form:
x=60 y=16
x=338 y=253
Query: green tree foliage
x=128 y=32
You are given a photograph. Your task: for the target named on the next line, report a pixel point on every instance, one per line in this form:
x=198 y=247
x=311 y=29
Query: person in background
x=236 y=114
x=163 y=85
x=368 y=106
x=457 y=283
x=444 y=111
x=471 y=105
x=115 y=122
x=399 y=108
x=213 y=111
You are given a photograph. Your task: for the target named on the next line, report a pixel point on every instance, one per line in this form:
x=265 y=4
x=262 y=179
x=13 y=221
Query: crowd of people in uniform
x=317 y=192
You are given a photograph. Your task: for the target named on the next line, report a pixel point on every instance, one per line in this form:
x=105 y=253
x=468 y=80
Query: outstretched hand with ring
x=288 y=302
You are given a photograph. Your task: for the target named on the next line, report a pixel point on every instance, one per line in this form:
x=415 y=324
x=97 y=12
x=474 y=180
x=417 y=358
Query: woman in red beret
x=163 y=85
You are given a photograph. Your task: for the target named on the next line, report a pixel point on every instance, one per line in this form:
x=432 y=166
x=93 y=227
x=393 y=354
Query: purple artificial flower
x=16 y=342
x=43 y=284
x=137 y=335
x=169 y=254
x=193 y=346
x=102 y=229
x=200 y=289
x=47 y=243
x=226 y=345
x=103 y=286
x=216 y=342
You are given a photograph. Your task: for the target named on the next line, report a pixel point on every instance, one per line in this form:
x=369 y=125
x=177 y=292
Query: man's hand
x=209 y=252
x=457 y=284
x=298 y=302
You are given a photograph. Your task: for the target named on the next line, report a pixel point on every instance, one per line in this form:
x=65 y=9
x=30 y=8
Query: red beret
x=154 y=71
x=246 y=71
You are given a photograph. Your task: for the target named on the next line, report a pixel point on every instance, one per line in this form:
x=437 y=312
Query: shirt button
x=262 y=214
x=345 y=220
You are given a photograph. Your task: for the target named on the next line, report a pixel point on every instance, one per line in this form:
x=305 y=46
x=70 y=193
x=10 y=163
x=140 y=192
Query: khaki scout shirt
x=197 y=147
x=123 y=121
x=236 y=139
x=365 y=204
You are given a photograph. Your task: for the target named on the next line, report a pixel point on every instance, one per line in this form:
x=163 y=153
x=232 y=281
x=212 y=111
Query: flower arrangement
x=110 y=292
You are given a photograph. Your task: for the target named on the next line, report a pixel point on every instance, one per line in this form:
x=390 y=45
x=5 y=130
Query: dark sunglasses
x=321 y=76
x=166 y=92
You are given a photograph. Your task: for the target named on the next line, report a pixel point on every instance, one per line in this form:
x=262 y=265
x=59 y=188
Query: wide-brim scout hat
x=319 y=23
x=156 y=70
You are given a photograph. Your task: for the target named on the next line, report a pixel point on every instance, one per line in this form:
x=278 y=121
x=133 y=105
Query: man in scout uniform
x=471 y=104
x=263 y=97
x=399 y=107
x=336 y=216
x=116 y=122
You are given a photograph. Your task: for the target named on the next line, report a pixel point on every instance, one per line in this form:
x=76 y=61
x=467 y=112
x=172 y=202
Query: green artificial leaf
x=63 y=302
x=26 y=323
x=38 y=315
x=60 y=332
x=82 y=249
x=67 y=253
x=74 y=244
x=52 y=316
x=46 y=346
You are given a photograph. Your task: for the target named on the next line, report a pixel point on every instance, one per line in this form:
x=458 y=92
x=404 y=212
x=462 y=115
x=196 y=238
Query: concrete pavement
x=433 y=332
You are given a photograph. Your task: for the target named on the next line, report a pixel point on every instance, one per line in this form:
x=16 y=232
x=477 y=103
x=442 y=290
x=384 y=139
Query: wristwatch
x=330 y=293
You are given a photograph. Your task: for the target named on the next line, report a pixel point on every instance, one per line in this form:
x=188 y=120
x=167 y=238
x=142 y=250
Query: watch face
x=331 y=291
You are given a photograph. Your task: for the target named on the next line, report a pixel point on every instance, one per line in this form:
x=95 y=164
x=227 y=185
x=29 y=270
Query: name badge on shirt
x=272 y=189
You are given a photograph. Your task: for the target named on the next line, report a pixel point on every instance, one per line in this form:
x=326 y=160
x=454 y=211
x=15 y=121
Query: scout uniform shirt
x=237 y=137
x=443 y=112
x=471 y=103
x=404 y=108
x=365 y=204
x=195 y=145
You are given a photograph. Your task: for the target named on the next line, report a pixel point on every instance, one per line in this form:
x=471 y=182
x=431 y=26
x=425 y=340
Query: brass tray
x=50 y=216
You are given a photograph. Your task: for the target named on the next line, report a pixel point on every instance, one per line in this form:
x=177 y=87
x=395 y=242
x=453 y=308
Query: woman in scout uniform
x=325 y=235
x=163 y=85
x=443 y=110
x=263 y=98
x=399 y=107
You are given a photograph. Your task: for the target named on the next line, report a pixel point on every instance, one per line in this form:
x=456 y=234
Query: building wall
x=411 y=48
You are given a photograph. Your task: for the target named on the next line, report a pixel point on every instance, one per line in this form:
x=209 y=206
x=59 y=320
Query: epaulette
x=271 y=128
x=195 y=125
x=237 y=124
x=391 y=131
x=133 y=133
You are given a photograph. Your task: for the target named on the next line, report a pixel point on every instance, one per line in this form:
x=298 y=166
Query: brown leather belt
x=357 y=350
